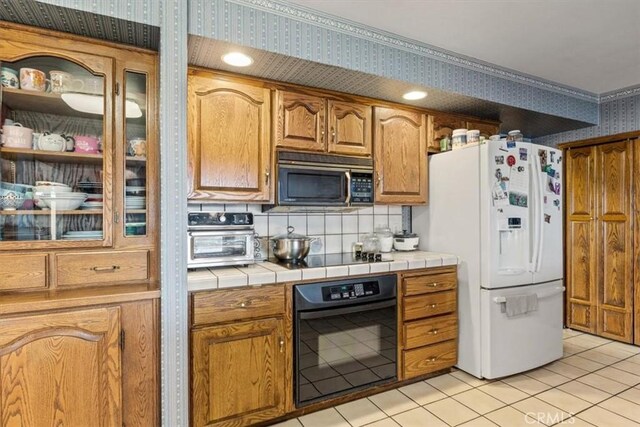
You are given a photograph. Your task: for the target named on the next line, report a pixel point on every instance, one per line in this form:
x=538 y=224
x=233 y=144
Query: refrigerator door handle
x=540 y=201
x=557 y=290
x=537 y=212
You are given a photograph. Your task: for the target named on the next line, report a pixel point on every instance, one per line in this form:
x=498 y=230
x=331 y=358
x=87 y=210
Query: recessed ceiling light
x=237 y=59
x=416 y=94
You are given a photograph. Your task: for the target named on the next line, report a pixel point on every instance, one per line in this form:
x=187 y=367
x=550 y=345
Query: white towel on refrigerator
x=520 y=304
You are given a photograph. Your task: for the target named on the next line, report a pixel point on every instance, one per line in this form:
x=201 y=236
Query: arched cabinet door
x=61 y=369
x=349 y=128
x=229 y=139
x=300 y=121
x=400 y=157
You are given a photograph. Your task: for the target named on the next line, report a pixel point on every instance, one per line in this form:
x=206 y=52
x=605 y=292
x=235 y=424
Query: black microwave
x=323 y=182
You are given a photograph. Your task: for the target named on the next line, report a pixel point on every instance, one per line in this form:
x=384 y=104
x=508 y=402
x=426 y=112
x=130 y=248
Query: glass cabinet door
x=136 y=150
x=52 y=167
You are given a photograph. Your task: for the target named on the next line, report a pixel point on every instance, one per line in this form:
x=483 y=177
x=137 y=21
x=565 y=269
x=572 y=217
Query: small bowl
x=52 y=188
x=62 y=204
x=11 y=201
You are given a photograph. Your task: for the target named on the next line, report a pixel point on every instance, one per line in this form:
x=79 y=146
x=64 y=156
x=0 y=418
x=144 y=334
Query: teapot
x=53 y=142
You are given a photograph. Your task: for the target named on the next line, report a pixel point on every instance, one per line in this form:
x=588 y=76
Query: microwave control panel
x=361 y=188
x=350 y=291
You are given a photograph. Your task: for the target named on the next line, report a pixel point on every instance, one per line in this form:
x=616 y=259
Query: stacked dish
x=82 y=235
x=136 y=190
x=135 y=202
x=59 y=200
x=136 y=228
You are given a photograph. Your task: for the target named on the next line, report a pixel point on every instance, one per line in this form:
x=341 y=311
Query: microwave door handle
x=347 y=174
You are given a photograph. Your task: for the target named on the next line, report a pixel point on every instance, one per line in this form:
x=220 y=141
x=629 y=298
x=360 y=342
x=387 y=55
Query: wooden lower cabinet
x=429 y=320
x=238 y=373
x=61 y=369
x=71 y=367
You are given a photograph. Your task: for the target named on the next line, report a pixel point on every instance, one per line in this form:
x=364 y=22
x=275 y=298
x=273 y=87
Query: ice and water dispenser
x=514 y=244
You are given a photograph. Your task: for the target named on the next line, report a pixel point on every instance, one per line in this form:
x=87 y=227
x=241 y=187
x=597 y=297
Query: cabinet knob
x=281 y=345
x=433 y=305
x=433 y=332
x=267 y=175
x=434 y=285
x=245 y=304
x=432 y=359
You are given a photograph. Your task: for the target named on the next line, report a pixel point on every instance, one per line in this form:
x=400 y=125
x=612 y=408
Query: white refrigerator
x=498 y=206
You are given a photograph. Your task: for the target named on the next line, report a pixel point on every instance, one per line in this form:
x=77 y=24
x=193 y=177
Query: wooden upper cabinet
x=238 y=373
x=486 y=129
x=349 y=129
x=615 y=284
x=581 y=260
x=229 y=139
x=61 y=369
x=400 y=161
x=442 y=125
x=300 y=121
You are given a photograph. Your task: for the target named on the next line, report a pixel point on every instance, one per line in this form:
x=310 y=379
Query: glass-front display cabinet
x=75 y=148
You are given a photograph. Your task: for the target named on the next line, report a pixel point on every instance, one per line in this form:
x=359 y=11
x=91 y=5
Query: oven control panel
x=219 y=219
x=350 y=291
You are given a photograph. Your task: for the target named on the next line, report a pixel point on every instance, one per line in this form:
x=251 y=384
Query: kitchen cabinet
x=79 y=287
x=96 y=191
x=239 y=354
x=486 y=129
x=428 y=321
x=229 y=138
x=61 y=369
x=400 y=163
x=599 y=235
x=441 y=125
x=314 y=123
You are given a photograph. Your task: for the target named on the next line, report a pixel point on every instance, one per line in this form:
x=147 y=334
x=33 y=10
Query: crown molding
x=619 y=94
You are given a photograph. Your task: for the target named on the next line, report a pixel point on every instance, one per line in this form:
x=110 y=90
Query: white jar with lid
x=458 y=138
x=385 y=236
x=473 y=136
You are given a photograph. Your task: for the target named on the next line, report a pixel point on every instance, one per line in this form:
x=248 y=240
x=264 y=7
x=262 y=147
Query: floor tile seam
x=616 y=395
x=560 y=409
x=384 y=412
x=335 y=408
x=611 y=366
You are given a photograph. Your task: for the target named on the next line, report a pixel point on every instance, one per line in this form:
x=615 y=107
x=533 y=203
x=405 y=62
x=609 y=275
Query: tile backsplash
x=336 y=232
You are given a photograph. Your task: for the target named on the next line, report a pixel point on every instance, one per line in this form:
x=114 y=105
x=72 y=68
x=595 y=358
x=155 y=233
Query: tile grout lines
x=472 y=387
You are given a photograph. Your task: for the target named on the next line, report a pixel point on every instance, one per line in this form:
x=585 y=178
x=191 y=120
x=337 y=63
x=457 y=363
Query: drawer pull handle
x=281 y=345
x=433 y=332
x=434 y=305
x=106 y=269
x=245 y=304
x=432 y=359
x=434 y=285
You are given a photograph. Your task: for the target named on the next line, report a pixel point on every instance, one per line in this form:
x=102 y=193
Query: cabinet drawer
x=430 y=331
x=90 y=268
x=429 y=359
x=234 y=304
x=28 y=271
x=429 y=305
x=417 y=285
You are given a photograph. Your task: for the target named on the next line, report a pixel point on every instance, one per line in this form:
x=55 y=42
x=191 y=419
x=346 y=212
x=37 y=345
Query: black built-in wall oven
x=345 y=336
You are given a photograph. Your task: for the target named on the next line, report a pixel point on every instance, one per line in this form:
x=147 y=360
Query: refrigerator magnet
x=511 y=144
x=499 y=160
x=552 y=154
x=543 y=159
x=511 y=160
x=551 y=172
x=523 y=154
x=545 y=199
x=547 y=218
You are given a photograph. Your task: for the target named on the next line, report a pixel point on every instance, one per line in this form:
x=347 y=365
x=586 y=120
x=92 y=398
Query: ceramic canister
x=17 y=136
x=9 y=78
x=32 y=79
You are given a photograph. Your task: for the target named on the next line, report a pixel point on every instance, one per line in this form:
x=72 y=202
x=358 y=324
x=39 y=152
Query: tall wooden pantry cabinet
x=602 y=236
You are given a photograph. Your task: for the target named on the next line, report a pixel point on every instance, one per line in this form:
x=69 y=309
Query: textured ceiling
x=208 y=53
x=593 y=45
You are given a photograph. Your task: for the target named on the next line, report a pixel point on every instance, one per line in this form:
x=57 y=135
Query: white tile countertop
x=264 y=273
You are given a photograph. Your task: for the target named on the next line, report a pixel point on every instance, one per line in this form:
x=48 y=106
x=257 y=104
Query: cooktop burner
x=328 y=260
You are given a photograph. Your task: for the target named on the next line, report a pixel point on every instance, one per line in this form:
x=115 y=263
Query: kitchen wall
x=336 y=231
x=619 y=112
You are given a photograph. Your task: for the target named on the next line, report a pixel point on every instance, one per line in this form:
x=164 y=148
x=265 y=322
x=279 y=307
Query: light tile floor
x=597 y=383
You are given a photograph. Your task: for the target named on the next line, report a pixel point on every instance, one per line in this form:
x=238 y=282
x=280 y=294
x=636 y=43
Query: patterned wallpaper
x=618 y=113
x=278 y=27
x=106 y=20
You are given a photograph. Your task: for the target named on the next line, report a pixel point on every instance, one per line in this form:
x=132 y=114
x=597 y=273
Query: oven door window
x=340 y=353
x=220 y=246
x=312 y=186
